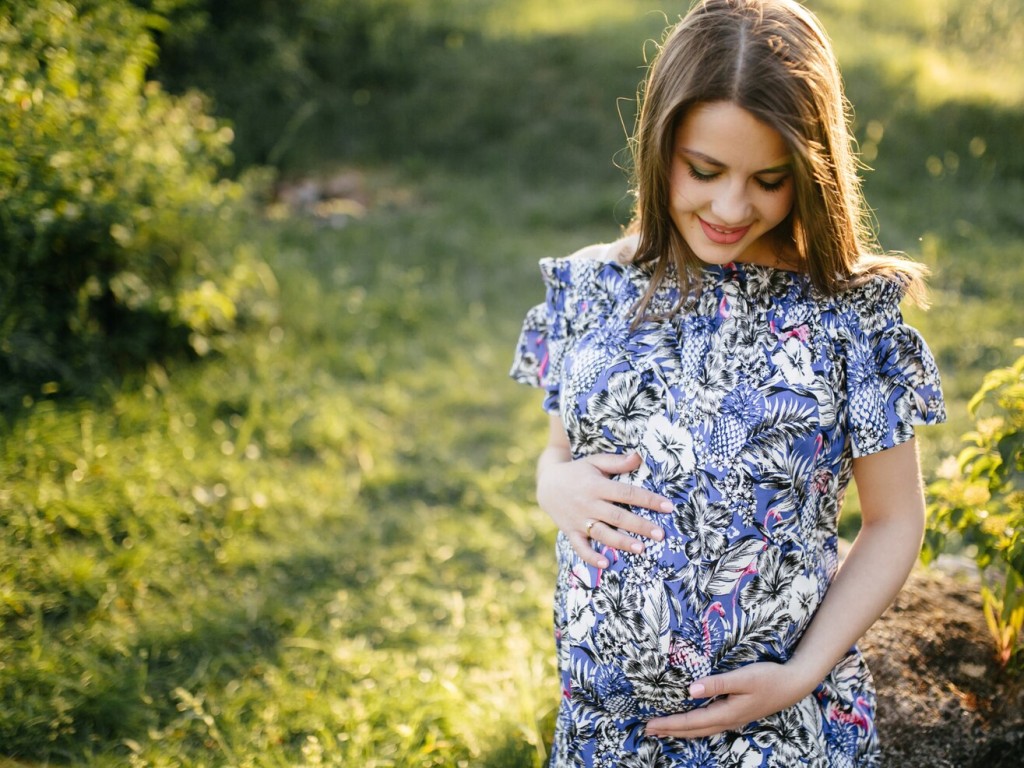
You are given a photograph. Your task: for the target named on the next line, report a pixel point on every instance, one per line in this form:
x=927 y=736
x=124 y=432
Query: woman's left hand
x=743 y=695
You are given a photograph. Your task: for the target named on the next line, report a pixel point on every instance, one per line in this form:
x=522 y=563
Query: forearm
x=875 y=568
x=872 y=575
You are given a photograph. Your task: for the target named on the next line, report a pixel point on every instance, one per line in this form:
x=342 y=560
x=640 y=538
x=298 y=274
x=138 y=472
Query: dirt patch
x=943 y=701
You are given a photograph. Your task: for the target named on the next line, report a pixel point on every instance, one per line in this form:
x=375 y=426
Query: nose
x=731 y=206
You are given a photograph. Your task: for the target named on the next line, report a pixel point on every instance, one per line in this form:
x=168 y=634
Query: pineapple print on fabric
x=693 y=650
x=747 y=407
x=867 y=399
x=741 y=410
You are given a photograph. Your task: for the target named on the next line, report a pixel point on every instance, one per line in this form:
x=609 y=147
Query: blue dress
x=747 y=408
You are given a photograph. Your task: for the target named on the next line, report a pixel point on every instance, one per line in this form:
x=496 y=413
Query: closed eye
x=772 y=186
x=698 y=175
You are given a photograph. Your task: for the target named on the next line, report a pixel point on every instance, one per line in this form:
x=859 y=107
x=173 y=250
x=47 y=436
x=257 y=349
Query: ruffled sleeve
x=542 y=343
x=892 y=381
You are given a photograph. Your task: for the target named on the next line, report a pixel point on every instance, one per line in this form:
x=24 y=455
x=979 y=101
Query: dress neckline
x=715 y=272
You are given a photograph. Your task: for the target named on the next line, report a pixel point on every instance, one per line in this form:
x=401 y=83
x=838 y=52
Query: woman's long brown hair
x=773 y=59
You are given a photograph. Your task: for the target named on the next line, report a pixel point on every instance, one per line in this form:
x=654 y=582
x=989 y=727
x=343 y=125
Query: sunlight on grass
x=944 y=75
x=944 y=50
x=933 y=74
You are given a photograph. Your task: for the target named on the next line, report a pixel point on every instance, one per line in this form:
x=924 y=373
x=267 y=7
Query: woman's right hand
x=585 y=502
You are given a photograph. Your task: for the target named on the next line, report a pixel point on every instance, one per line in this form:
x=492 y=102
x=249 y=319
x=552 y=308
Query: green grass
x=319 y=547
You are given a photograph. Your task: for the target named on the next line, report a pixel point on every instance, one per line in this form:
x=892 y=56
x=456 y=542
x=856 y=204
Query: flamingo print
x=695 y=655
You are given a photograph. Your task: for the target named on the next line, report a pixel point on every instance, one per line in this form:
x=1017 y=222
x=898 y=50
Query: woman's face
x=730 y=184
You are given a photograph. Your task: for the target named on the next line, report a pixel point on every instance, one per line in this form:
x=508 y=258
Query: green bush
x=980 y=504
x=109 y=192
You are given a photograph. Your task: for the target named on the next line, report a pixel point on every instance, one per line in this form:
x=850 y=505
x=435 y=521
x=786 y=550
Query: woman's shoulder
x=583 y=265
x=875 y=289
x=887 y=279
x=620 y=252
x=870 y=303
x=598 y=278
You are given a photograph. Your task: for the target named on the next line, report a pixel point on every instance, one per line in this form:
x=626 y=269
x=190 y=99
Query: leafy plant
x=109 y=195
x=980 y=503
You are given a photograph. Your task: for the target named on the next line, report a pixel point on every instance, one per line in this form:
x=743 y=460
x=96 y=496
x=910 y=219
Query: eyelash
x=774 y=186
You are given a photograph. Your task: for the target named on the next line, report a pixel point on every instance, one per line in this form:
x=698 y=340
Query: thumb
x=615 y=463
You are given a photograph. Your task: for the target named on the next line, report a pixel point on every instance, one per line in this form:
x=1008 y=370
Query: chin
x=719 y=256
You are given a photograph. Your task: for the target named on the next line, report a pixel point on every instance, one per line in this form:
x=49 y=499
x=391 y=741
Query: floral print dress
x=747 y=408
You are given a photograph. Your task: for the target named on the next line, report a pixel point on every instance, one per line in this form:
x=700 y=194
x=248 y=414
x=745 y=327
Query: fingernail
x=657 y=534
x=637 y=547
x=602 y=564
x=696 y=690
x=666 y=506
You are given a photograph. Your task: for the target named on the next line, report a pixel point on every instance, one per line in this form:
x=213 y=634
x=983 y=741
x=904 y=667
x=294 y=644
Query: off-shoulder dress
x=748 y=408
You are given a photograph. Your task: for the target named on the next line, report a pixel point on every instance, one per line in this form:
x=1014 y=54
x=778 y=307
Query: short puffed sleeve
x=892 y=381
x=542 y=343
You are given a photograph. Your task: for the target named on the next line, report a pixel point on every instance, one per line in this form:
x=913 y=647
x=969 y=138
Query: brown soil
x=943 y=701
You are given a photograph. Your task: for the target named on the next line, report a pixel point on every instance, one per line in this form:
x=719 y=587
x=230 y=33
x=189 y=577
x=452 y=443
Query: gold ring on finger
x=588 y=525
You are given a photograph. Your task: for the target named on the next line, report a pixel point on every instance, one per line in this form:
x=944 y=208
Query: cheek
x=780 y=205
x=683 y=191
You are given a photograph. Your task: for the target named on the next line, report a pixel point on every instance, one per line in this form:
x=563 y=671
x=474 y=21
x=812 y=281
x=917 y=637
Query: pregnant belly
x=636 y=635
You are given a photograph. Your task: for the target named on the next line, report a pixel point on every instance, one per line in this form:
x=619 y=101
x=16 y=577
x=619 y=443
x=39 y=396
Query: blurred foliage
x=969 y=27
x=979 y=504
x=542 y=89
x=293 y=554
x=110 y=202
x=458 y=82
x=312 y=70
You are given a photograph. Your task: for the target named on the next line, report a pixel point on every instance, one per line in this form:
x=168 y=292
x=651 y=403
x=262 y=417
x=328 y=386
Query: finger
x=705 y=721
x=582 y=546
x=615 y=538
x=717 y=685
x=617 y=517
x=615 y=463
x=696 y=733
x=635 y=496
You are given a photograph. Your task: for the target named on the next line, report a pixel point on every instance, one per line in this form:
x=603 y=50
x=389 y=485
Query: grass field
x=320 y=547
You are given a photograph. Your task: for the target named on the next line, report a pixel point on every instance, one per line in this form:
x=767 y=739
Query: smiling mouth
x=722 y=235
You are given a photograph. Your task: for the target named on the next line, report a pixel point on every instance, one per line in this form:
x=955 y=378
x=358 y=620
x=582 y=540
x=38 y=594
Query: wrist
x=807 y=672
x=550 y=457
x=553 y=454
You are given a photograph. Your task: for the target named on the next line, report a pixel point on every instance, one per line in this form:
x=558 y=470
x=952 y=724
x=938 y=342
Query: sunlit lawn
x=320 y=547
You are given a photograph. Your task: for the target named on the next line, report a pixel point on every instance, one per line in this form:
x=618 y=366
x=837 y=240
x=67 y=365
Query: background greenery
x=317 y=545
x=108 y=189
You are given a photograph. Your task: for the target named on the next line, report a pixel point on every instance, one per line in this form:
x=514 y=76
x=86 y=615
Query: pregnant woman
x=714 y=380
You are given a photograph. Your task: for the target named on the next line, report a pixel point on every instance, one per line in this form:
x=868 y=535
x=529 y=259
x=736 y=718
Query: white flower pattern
x=747 y=409
x=670 y=445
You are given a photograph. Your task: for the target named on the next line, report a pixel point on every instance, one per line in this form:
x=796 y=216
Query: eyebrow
x=784 y=168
